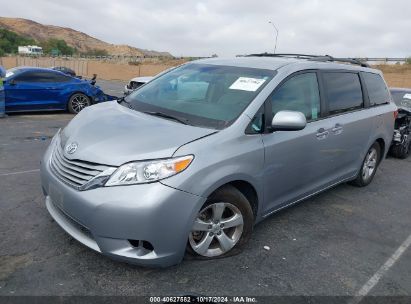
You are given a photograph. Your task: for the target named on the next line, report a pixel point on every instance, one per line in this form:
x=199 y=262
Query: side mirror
x=93 y=80
x=288 y=121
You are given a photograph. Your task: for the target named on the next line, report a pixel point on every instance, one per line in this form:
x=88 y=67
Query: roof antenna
x=276 y=35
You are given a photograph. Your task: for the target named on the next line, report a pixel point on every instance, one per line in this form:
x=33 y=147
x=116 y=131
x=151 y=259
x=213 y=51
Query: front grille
x=75 y=173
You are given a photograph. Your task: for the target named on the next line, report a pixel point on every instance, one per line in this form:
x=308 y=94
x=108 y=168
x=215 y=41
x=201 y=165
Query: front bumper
x=113 y=220
x=99 y=97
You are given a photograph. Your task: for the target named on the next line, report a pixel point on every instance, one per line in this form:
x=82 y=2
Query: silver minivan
x=192 y=160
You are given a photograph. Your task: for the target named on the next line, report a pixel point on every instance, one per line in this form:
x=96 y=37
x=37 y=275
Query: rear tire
x=368 y=167
x=229 y=209
x=78 y=102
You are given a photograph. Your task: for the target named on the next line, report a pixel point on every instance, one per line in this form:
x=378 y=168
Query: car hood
x=111 y=134
x=143 y=79
x=405 y=109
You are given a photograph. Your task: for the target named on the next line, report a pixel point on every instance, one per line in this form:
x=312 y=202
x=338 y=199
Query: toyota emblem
x=71 y=148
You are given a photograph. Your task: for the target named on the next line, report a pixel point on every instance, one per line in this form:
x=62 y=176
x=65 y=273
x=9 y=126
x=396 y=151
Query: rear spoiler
x=93 y=80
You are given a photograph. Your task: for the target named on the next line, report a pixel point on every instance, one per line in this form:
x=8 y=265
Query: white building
x=30 y=50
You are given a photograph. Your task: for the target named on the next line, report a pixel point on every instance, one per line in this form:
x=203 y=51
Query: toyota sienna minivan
x=193 y=159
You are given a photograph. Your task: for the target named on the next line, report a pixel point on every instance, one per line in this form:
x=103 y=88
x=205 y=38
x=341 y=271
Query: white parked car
x=135 y=83
x=139 y=81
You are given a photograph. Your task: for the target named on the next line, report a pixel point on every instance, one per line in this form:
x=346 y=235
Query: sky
x=362 y=28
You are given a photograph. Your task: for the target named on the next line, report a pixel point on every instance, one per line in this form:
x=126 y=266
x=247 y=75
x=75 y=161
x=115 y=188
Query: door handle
x=337 y=129
x=322 y=134
x=50 y=88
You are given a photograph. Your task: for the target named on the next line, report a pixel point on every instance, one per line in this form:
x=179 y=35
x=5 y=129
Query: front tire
x=369 y=166
x=223 y=226
x=78 y=102
x=401 y=151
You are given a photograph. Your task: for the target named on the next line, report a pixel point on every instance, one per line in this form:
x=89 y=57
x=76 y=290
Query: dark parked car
x=401 y=144
x=65 y=70
x=40 y=89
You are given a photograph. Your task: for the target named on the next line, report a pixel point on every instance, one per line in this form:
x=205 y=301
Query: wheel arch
x=78 y=92
x=247 y=189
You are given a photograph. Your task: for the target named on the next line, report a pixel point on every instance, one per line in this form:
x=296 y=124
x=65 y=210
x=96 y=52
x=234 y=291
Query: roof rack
x=320 y=58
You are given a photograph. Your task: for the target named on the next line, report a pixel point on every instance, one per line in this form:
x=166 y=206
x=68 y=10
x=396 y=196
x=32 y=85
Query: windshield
x=200 y=94
x=402 y=99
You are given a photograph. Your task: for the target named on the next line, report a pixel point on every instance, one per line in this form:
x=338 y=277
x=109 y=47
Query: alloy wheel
x=79 y=102
x=370 y=164
x=216 y=230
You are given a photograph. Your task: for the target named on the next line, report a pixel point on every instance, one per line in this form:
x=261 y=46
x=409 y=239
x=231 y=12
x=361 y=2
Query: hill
x=9 y=41
x=76 y=39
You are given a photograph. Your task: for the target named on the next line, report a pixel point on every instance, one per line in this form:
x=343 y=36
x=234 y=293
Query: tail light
x=395 y=114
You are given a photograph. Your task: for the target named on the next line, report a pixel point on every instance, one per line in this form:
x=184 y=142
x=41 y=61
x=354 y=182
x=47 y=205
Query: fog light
x=141 y=244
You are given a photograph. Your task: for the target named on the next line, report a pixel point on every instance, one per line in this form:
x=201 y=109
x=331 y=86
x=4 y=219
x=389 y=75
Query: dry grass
x=396 y=75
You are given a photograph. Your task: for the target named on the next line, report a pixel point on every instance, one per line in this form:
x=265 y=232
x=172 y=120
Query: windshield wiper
x=160 y=114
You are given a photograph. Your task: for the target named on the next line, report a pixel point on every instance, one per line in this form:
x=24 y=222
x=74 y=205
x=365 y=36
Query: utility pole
x=276 y=35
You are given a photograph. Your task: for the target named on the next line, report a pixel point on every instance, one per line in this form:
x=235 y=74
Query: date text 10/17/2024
x=202 y=299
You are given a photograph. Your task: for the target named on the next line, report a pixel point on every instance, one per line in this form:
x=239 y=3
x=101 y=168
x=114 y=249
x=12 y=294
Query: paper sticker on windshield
x=247 y=84
x=407 y=96
x=8 y=74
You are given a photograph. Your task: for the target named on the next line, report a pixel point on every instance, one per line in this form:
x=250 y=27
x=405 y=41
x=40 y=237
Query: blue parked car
x=41 y=89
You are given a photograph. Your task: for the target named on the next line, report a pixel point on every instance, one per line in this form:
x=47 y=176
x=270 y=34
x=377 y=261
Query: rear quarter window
x=343 y=91
x=376 y=88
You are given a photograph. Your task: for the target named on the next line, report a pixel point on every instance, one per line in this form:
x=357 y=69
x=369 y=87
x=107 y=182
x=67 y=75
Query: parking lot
x=332 y=244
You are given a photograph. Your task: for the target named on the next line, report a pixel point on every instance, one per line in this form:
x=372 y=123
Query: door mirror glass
x=288 y=121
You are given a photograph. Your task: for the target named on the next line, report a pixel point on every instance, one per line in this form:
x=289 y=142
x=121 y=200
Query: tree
x=10 y=41
x=408 y=60
x=53 y=46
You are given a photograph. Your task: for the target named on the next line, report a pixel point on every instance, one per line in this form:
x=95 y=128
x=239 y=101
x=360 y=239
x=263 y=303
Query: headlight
x=148 y=171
